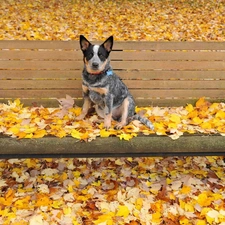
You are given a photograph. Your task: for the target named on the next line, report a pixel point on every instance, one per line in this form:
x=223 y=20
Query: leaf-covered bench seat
x=174 y=75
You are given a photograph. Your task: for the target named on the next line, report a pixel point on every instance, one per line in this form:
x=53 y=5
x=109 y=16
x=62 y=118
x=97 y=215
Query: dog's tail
x=143 y=120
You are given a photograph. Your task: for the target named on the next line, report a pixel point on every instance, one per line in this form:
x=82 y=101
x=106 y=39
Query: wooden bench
x=157 y=73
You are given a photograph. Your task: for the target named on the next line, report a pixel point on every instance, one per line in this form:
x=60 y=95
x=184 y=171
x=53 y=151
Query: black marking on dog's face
x=96 y=57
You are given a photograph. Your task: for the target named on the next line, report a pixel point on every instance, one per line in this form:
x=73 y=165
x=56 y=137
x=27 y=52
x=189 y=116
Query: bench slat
x=127 y=75
x=137 y=93
x=119 y=45
x=131 y=84
x=41 y=55
x=115 y=55
x=127 y=65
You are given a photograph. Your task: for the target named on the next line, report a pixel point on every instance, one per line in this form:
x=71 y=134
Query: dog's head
x=96 y=57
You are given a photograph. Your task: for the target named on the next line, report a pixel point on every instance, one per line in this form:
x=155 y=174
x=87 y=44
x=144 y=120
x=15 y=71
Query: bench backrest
x=157 y=73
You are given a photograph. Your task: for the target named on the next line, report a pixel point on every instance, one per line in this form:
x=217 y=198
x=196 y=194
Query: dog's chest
x=97 y=91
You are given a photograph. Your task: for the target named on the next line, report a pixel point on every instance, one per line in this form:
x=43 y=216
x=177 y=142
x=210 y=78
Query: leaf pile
x=150 y=20
x=36 y=122
x=131 y=191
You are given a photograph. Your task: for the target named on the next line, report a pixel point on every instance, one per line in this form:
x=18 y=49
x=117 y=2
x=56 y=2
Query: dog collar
x=108 y=72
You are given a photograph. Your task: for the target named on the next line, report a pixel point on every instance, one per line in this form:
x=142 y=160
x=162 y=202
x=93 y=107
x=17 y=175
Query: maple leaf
x=126 y=137
x=37 y=220
x=123 y=211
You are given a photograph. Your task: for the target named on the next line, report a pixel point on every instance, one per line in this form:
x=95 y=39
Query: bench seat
x=156 y=73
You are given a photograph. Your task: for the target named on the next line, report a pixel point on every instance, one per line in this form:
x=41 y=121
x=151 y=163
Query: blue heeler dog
x=104 y=89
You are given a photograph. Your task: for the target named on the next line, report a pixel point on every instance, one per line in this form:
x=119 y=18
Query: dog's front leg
x=108 y=111
x=86 y=105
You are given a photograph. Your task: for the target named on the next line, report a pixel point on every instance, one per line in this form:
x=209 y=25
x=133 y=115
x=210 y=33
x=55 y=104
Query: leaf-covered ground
x=127 y=191
x=150 y=20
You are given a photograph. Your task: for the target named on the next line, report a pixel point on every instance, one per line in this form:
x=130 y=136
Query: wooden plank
x=140 y=146
x=177 y=94
x=167 y=56
x=118 y=45
x=169 y=65
x=24 y=44
x=163 y=45
x=145 y=75
x=39 y=65
x=44 y=74
x=128 y=65
x=169 y=74
x=41 y=55
x=52 y=102
x=38 y=94
x=131 y=84
x=115 y=55
x=40 y=84
x=138 y=94
x=175 y=84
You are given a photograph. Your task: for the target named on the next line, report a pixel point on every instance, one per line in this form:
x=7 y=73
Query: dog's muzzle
x=95 y=65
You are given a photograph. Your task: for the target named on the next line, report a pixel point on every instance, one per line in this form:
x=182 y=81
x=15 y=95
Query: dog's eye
x=90 y=55
x=101 y=56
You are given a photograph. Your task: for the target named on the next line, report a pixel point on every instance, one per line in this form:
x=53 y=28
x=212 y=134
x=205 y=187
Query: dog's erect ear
x=84 y=43
x=108 y=44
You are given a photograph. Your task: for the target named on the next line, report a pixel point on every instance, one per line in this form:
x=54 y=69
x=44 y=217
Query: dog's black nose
x=95 y=65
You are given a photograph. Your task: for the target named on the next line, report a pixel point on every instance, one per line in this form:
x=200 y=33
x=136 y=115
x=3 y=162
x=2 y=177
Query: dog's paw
x=107 y=127
x=107 y=122
x=80 y=117
x=119 y=126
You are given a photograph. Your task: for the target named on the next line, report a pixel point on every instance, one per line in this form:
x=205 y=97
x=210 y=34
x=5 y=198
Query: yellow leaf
x=30 y=163
x=29 y=130
x=67 y=210
x=22 y=203
x=192 y=114
x=196 y=121
x=185 y=189
x=189 y=207
x=39 y=134
x=189 y=108
x=43 y=200
x=127 y=137
x=220 y=114
x=70 y=188
x=175 y=118
x=202 y=103
x=184 y=221
x=57 y=204
x=204 y=200
x=172 y=125
x=105 y=218
x=60 y=133
x=76 y=134
x=123 y=211
x=17 y=102
x=156 y=217
x=21 y=134
x=209 y=219
x=201 y=222
x=139 y=203
x=206 y=125
x=29 y=135
x=13 y=130
x=204 y=211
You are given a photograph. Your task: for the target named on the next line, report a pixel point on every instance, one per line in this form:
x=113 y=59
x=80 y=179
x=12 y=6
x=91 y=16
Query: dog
x=104 y=89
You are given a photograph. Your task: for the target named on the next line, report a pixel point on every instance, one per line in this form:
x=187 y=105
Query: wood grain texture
x=119 y=45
